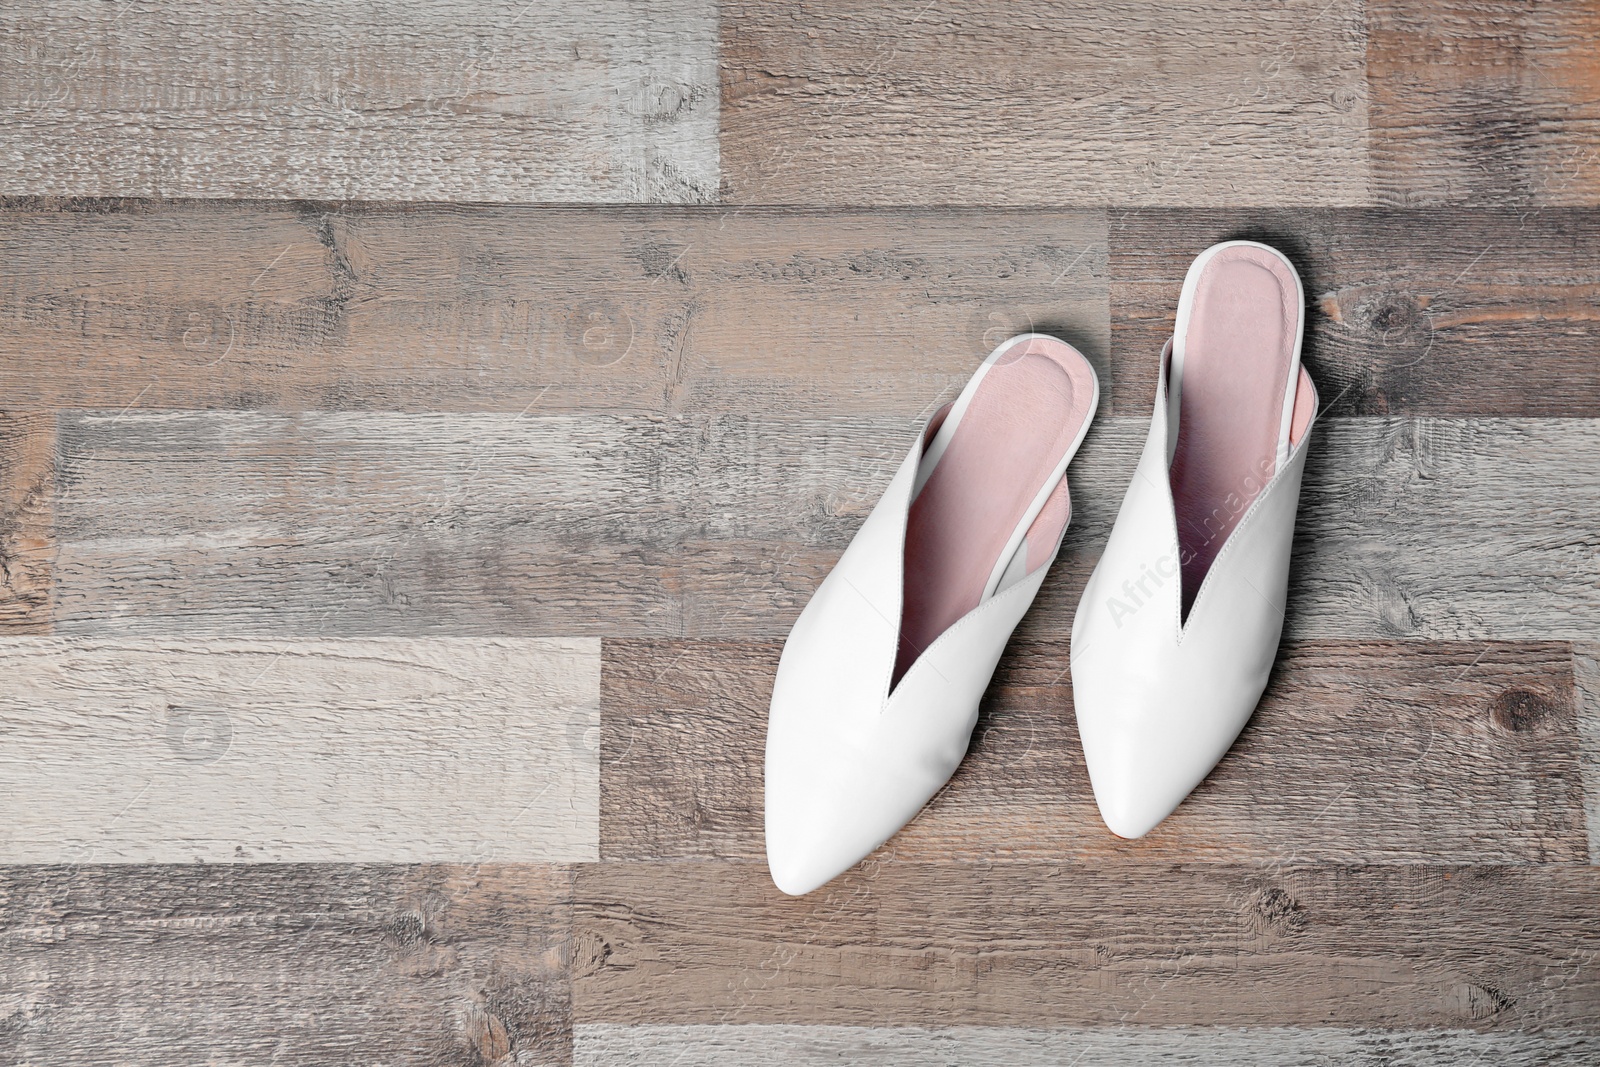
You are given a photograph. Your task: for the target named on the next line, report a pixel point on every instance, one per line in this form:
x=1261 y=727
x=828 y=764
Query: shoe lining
x=1024 y=415
x=1239 y=350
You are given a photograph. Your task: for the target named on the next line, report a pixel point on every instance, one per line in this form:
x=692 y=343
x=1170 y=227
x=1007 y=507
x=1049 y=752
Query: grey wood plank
x=1381 y=752
x=27 y=500
x=1436 y=311
x=293 y=965
x=1091 y=945
x=441 y=100
x=1484 y=102
x=249 y=751
x=1455 y=529
x=140 y=305
x=711 y=1045
x=1586 y=669
x=1128 y=102
x=691 y=526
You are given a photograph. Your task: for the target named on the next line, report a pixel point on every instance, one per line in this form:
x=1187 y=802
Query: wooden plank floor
x=420 y=426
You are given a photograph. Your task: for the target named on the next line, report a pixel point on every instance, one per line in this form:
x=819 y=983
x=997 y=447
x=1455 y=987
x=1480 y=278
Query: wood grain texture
x=194 y=750
x=1044 y=103
x=692 y=526
x=133 y=305
x=1586 y=669
x=756 y=1045
x=1448 y=529
x=1359 y=753
x=1484 y=101
x=1486 y=312
x=27 y=499
x=1092 y=945
x=316 y=508
x=441 y=100
x=307 y=965
x=386 y=523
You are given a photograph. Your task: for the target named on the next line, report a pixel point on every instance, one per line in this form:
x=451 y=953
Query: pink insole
x=1019 y=424
x=1238 y=351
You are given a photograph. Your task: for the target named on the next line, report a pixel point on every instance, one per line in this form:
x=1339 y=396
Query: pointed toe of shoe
x=1133 y=799
x=801 y=862
x=1145 y=756
x=828 y=807
x=809 y=843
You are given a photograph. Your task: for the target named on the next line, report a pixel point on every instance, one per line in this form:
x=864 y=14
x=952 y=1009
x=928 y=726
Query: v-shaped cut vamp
x=878 y=686
x=1179 y=623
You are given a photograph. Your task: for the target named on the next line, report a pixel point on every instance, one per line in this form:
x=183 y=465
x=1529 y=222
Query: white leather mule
x=1179 y=623
x=877 y=690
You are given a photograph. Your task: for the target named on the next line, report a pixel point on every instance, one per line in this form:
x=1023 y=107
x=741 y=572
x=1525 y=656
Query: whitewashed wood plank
x=467 y=100
x=750 y=1045
x=232 y=750
x=251 y=522
x=1586 y=673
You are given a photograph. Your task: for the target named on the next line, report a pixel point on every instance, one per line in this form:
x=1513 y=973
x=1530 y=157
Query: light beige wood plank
x=27 y=500
x=752 y=1045
x=430 y=308
x=440 y=100
x=1090 y=945
x=1484 y=102
x=1443 y=529
x=1586 y=669
x=1381 y=752
x=1129 y=102
x=301 y=966
x=228 y=750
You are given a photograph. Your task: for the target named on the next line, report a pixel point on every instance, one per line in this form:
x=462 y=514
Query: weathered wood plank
x=1484 y=101
x=285 y=965
x=441 y=100
x=1090 y=945
x=1044 y=103
x=757 y=1045
x=1456 y=529
x=27 y=499
x=617 y=526
x=251 y=522
x=430 y=308
x=1469 y=755
x=383 y=750
x=1490 y=312
x=1586 y=668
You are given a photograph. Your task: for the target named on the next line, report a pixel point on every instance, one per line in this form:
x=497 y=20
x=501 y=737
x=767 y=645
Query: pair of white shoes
x=878 y=688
